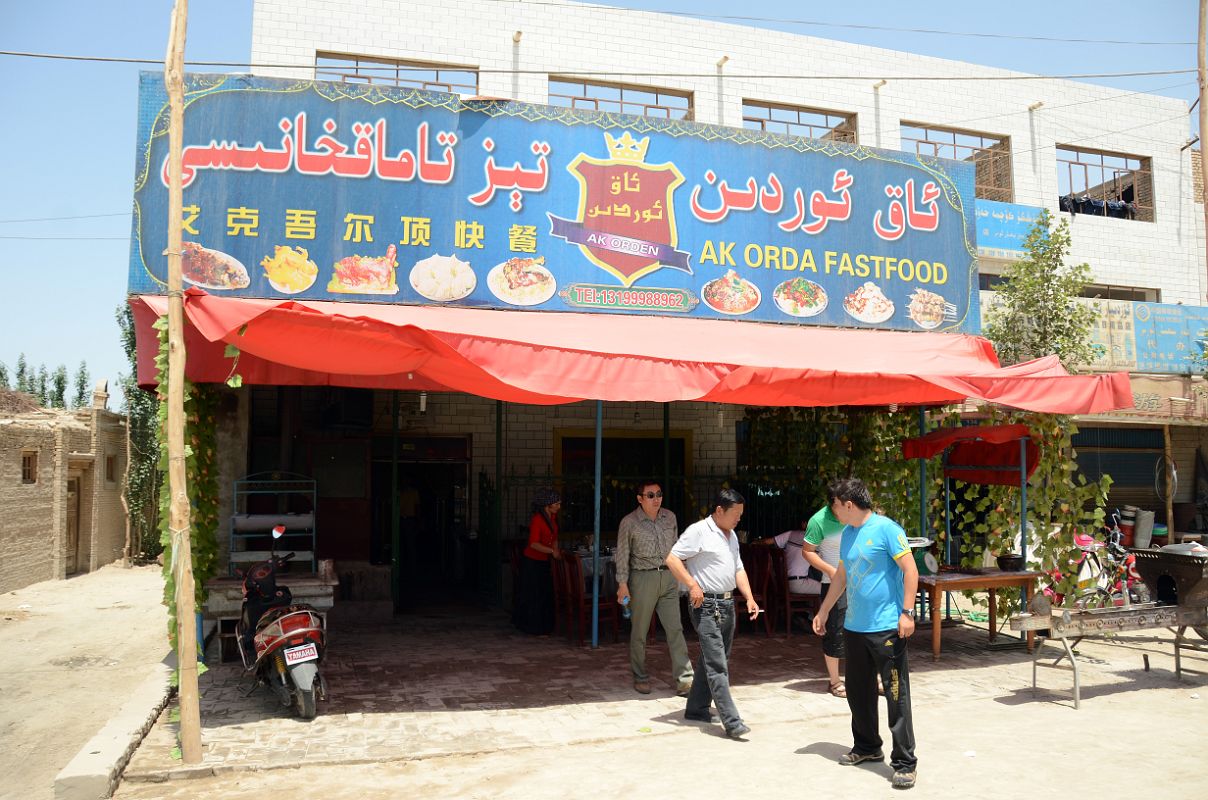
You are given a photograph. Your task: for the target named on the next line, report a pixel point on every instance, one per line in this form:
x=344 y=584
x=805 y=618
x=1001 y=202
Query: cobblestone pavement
x=464 y=682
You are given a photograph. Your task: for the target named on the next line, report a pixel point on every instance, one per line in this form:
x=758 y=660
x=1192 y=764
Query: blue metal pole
x=922 y=478
x=1023 y=500
x=595 y=539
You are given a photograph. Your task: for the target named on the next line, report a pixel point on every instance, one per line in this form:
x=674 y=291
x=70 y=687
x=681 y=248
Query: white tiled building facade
x=574 y=40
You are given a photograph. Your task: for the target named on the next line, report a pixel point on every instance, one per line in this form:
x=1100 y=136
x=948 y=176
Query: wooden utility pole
x=1203 y=76
x=178 y=490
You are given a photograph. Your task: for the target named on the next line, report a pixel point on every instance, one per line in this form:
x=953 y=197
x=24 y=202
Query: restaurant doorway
x=438 y=559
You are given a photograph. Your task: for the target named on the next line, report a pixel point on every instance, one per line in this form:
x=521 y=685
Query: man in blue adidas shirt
x=877 y=570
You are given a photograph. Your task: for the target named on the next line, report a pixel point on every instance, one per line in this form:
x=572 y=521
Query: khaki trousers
x=654 y=591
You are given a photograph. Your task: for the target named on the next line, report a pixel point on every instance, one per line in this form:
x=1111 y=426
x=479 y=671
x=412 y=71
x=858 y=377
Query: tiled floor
x=464 y=681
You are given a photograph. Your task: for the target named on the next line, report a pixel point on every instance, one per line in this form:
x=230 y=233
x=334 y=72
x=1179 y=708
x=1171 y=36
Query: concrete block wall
x=27 y=539
x=615 y=43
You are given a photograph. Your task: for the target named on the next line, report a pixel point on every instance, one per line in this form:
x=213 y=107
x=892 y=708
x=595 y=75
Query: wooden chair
x=580 y=605
x=792 y=603
x=562 y=610
x=758 y=562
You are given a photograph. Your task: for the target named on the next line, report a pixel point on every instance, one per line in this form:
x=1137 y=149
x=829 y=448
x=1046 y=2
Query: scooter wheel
x=304 y=703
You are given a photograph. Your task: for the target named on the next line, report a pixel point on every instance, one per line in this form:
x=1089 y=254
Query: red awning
x=550 y=357
x=987 y=454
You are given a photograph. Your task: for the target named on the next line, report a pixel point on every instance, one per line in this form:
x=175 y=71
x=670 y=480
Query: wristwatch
x=908 y=612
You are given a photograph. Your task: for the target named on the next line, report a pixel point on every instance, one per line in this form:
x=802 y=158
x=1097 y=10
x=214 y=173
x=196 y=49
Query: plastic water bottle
x=625 y=611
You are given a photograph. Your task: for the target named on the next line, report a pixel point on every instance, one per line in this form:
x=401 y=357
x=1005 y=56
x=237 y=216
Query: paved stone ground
x=463 y=682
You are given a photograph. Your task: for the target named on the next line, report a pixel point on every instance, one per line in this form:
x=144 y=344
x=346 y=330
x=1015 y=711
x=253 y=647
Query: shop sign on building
x=1157 y=338
x=302 y=189
x=1002 y=228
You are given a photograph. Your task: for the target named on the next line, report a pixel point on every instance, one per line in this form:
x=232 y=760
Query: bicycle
x=1106 y=573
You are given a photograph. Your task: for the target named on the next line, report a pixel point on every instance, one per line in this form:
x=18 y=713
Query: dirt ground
x=1120 y=743
x=71 y=653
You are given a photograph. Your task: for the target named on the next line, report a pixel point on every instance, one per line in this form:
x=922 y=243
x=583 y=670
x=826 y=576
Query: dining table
x=988 y=580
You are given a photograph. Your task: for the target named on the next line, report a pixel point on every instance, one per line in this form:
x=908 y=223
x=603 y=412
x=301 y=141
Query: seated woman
x=534 y=608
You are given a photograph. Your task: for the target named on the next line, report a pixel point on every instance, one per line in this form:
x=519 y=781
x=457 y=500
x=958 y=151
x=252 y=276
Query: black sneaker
x=853 y=758
x=904 y=778
x=738 y=731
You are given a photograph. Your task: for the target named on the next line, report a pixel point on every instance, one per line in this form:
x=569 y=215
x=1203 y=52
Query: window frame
x=845 y=130
x=29 y=467
x=1067 y=169
x=585 y=101
x=975 y=143
x=376 y=71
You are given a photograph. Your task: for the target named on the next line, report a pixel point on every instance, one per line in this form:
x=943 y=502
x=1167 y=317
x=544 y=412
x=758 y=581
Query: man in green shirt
x=823 y=533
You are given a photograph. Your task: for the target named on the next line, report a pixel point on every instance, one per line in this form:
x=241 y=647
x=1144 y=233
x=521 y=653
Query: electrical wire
x=58 y=219
x=618 y=74
x=847 y=25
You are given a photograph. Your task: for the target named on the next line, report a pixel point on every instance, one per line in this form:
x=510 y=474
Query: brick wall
x=563 y=38
x=26 y=536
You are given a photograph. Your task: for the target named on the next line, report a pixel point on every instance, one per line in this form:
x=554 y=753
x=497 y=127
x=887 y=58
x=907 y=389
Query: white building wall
x=615 y=43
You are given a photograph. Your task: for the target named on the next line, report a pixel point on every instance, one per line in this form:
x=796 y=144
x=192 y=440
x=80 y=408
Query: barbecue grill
x=1180 y=582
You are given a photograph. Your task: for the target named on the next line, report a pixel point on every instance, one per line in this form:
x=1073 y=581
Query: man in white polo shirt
x=706 y=560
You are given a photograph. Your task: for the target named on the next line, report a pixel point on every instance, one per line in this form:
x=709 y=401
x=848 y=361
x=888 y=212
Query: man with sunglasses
x=644 y=538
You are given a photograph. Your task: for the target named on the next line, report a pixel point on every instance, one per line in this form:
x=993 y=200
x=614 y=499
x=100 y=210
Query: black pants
x=533 y=609
x=870 y=655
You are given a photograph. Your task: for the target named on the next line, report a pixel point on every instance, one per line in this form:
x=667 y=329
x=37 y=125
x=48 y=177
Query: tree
x=1036 y=311
x=58 y=388
x=80 y=398
x=3 y=376
x=22 y=378
x=42 y=386
x=142 y=478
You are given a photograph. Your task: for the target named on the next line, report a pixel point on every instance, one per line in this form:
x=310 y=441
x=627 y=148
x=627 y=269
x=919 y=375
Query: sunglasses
x=652 y=495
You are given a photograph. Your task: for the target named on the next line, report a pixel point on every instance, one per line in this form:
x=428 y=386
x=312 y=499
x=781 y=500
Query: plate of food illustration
x=929 y=310
x=868 y=304
x=443 y=278
x=522 y=281
x=731 y=294
x=800 y=297
x=365 y=274
x=290 y=269
x=212 y=269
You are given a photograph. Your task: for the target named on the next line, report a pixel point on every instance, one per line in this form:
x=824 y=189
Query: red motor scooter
x=280 y=641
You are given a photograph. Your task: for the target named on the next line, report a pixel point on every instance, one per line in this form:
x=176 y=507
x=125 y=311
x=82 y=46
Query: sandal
x=838 y=689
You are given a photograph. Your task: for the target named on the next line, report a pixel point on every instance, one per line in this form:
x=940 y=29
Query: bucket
x=1126 y=533
x=1143 y=533
x=1159 y=532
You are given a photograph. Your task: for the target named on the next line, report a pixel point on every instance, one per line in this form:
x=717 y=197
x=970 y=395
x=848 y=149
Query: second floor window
x=393 y=72
x=1105 y=184
x=813 y=123
x=640 y=100
x=990 y=155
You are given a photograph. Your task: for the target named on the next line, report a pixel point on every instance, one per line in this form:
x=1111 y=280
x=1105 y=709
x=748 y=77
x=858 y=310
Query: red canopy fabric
x=976 y=448
x=550 y=357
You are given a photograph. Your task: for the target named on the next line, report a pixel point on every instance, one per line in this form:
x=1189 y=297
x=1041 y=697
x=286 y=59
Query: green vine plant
x=201 y=405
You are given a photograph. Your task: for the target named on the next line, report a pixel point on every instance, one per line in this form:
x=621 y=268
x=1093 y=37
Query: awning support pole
x=666 y=449
x=922 y=478
x=1023 y=500
x=595 y=539
x=396 y=568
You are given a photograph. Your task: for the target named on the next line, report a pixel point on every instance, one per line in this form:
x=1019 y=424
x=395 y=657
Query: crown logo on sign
x=627 y=148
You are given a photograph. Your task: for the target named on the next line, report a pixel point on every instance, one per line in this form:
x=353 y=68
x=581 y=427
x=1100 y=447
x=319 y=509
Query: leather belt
x=719 y=595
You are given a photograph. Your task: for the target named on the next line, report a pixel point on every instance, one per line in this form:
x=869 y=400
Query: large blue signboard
x=302 y=189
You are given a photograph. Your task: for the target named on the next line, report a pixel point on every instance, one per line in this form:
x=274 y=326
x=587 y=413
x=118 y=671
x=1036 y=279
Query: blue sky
x=67 y=142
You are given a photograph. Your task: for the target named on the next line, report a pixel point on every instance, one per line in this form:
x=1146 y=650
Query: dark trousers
x=714 y=624
x=870 y=655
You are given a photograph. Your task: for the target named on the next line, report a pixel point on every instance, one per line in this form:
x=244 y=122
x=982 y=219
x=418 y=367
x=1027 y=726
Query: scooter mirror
x=278 y=531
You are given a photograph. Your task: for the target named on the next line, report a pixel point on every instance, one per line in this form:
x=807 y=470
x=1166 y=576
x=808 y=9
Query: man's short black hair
x=849 y=490
x=727 y=498
x=642 y=484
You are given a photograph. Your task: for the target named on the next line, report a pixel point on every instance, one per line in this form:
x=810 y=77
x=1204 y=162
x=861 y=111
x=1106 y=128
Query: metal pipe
x=595 y=539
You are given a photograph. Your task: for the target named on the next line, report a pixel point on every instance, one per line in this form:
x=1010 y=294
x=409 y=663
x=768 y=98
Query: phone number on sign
x=603 y=297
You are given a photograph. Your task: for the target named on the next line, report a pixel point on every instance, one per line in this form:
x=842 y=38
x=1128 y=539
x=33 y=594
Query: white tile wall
x=565 y=38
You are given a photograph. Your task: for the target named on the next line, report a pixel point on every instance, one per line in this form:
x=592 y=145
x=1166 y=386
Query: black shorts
x=832 y=640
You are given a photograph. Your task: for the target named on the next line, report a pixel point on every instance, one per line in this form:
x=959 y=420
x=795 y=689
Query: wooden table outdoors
x=961 y=581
